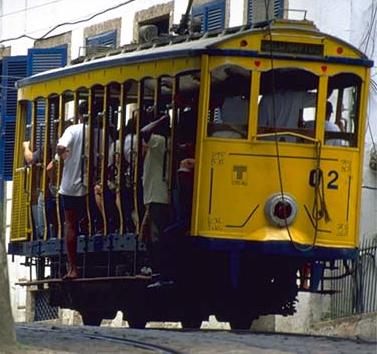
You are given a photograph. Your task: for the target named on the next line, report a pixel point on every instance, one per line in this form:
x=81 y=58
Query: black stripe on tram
x=348 y=197
x=210 y=192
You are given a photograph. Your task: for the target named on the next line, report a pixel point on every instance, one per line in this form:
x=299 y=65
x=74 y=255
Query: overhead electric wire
x=68 y=23
x=370 y=32
x=318 y=197
x=30 y=8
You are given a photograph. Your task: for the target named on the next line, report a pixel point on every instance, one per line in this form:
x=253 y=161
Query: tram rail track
x=86 y=339
x=138 y=344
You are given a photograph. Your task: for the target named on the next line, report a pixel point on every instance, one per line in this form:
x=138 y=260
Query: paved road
x=66 y=339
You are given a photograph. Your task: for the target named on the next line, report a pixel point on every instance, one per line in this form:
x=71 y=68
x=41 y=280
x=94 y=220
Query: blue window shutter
x=39 y=60
x=13 y=69
x=250 y=11
x=200 y=12
x=215 y=16
x=278 y=8
x=43 y=59
x=103 y=41
x=212 y=15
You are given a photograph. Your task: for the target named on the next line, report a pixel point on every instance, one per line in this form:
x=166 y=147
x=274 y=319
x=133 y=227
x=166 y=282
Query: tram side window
x=228 y=115
x=343 y=121
x=287 y=104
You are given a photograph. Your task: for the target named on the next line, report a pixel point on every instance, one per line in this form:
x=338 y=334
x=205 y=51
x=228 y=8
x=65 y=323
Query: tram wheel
x=137 y=323
x=91 y=318
x=191 y=323
x=240 y=323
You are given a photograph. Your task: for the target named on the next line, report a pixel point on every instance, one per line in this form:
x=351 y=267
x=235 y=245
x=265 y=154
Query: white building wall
x=236 y=12
x=37 y=17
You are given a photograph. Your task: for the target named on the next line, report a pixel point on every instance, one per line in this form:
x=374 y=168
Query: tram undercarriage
x=235 y=286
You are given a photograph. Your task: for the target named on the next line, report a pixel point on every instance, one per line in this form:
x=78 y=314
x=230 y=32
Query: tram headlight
x=281 y=209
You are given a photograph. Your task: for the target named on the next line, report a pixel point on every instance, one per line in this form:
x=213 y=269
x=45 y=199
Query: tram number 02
x=317 y=175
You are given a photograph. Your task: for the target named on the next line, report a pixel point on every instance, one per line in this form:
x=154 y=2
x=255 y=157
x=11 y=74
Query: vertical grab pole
x=202 y=128
x=104 y=150
x=121 y=171
x=46 y=146
x=137 y=171
x=172 y=156
x=33 y=168
x=59 y=172
x=104 y=168
x=89 y=157
x=59 y=167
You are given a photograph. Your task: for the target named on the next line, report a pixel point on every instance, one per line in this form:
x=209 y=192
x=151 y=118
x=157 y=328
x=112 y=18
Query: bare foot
x=70 y=275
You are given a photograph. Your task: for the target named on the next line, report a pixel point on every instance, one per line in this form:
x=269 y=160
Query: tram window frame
x=338 y=85
x=234 y=82
x=186 y=105
x=276 y=88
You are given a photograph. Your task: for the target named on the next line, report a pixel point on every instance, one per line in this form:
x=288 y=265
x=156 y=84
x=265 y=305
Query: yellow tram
x=275 y=118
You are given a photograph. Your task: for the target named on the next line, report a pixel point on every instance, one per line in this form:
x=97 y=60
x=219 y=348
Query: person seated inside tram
x=329 y=126
x=230 y=108
x=281 y=109
x=332 y=127
x=110 y=198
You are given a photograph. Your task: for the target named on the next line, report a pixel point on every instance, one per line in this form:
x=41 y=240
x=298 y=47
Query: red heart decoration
x=324 y=68
x=257 y=63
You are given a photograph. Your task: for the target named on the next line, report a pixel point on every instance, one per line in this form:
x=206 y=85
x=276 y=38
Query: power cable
x=364 y=46
x=319 y=207
x=29 y=8
x=68 y=23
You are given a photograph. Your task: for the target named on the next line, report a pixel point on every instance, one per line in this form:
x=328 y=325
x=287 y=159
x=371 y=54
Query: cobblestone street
x=75 y=339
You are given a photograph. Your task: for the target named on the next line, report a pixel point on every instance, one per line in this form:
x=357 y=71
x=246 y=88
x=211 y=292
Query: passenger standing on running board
x=155 y=188
x=72 y=189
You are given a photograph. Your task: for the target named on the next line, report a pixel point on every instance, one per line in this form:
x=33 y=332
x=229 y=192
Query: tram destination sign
x=292 y=48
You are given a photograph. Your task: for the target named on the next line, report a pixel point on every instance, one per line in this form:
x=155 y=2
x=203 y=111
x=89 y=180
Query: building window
x=158 y=16
x=211 y=15
x=101 y=42
x=256 y=10
x=59 y=41
x=162 y=24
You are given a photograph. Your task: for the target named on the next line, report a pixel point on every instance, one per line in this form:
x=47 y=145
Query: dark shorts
x=77 y=204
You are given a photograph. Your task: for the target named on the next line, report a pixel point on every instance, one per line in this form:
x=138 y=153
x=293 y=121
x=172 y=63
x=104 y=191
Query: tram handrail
x=284 y=133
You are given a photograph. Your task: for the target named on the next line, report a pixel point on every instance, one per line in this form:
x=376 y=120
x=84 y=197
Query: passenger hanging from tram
x=72 y=189
x=158 y=212
x=105 y=195
x=129 y=152
x=46 y=205
x=186 y=139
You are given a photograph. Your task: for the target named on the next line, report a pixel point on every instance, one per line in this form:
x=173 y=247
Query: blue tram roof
x=192 y=45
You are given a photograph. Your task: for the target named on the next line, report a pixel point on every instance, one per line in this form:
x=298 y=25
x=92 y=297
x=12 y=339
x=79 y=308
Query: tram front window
x=344 y=98
x=287 y=104
x=229 y=102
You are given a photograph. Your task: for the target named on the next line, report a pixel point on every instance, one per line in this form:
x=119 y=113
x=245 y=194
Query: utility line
x=68 y=23
x=30 y=8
